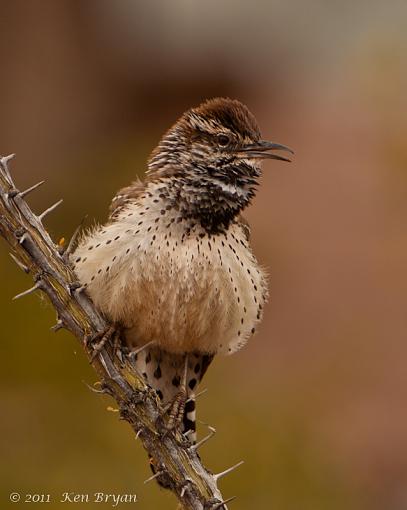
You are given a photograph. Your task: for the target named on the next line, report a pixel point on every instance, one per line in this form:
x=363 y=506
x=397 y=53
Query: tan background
x=316 y=403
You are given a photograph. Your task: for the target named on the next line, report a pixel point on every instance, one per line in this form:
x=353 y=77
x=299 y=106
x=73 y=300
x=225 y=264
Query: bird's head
x=215 y=150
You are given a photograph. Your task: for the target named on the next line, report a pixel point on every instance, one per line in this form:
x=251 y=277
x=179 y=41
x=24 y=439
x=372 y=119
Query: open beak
x=262 y=150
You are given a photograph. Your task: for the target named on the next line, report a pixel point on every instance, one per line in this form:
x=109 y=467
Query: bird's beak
x=261 y=150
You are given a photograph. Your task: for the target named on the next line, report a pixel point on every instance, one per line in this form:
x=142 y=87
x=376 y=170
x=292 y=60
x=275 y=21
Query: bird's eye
x=223 y=140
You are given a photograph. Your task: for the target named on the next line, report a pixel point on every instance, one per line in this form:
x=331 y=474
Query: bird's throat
x=210 y=202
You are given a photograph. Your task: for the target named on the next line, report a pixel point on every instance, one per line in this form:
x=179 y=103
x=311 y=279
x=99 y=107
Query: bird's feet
x=97 y=342
x=176 y=410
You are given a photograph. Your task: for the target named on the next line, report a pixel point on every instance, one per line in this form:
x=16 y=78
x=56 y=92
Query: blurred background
x=316 y=402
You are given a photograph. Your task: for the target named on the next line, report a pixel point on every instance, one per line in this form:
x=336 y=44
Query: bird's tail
x=165 y=372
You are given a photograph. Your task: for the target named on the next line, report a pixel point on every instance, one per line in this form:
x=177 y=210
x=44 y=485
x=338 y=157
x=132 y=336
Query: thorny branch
x=176 y=462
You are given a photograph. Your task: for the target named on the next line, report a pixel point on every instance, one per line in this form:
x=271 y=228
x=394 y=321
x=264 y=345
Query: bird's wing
x=124 y=196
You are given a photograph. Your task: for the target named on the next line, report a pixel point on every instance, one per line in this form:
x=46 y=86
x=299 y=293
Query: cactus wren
x=173 y=266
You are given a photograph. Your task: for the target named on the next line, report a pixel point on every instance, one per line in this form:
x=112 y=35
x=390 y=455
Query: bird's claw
x=97 y=342
x=176 y=410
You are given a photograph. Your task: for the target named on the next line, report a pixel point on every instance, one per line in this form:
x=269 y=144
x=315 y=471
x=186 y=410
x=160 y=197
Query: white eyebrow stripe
x=230 y=188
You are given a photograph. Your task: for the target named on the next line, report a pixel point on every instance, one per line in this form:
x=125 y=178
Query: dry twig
x=176 y=463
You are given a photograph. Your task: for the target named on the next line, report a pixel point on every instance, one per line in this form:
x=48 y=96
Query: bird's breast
x=172 y=283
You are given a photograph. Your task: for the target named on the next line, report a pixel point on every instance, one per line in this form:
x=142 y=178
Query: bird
x=173 y=266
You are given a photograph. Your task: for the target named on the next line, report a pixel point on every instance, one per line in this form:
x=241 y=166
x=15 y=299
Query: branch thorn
x=4 y=163
x=29 y=291
x=198 y=395
x=92 y=388
x=59 y=325
x=50 y=209
x=134 y=353
x=197 y=445
x=22 y=266
x=5 y=159
x=227 y=471
x=24 y=193
x=223 y=503
x=159 y=473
